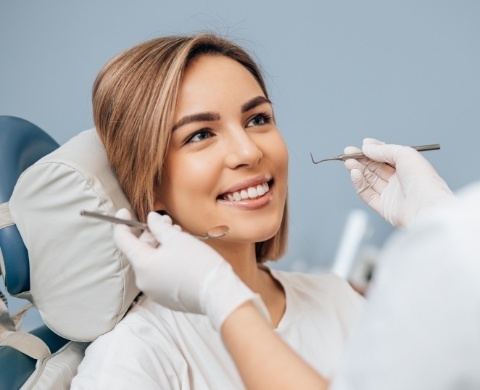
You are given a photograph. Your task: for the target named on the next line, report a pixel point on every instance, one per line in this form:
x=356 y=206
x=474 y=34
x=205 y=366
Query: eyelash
x=189 y=139
x=265 y=116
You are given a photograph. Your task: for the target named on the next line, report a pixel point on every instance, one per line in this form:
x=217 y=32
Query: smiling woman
x=143 y=99
x=225 y=142
x=189 y=128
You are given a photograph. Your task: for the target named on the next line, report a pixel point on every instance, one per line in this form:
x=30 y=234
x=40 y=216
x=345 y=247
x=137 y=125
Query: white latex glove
x=395 y=181
x=183 y=273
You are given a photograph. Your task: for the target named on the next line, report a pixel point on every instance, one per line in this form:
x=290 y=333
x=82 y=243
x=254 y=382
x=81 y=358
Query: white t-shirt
x=157 y=348
x=421 y=326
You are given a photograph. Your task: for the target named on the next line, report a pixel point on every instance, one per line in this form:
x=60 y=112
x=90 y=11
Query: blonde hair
x=134 y=101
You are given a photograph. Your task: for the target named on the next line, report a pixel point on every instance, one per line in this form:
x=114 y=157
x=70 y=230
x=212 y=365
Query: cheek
x=186 y=186
x=278 y=153
x=279 y=157
x=283 y=155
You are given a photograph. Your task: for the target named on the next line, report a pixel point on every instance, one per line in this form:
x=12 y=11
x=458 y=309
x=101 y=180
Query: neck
x=242 y=258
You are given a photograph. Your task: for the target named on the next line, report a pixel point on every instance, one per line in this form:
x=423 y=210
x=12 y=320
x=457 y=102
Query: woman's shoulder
x=145 y=323
x=322 y=310
x=134 y=350
x=128 y=337
x=325 y=286
x=318 y=281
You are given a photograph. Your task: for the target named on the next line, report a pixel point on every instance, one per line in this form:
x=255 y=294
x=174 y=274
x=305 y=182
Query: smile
x=247 y=193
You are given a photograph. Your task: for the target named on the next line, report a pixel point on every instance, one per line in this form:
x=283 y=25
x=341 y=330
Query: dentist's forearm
x=263 y=359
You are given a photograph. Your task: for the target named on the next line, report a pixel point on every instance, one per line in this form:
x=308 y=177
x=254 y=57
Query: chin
x=259 y=234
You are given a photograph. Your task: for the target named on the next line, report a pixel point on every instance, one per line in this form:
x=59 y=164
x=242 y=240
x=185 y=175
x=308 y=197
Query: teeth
x=248 y=193
x=261 y=189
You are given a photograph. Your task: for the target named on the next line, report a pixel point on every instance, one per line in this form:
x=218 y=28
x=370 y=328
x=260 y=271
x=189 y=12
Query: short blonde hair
x=134 y=101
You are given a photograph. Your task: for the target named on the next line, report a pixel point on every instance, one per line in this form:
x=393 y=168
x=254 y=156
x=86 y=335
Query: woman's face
x=227 y=163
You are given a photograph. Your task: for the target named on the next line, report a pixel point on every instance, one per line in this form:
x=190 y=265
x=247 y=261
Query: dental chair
x=66 y=265
x=21 y=144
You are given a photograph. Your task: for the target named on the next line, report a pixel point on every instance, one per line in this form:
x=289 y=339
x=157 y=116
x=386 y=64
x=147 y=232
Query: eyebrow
x=200 y=117
x=256 y=101
x=214 y=116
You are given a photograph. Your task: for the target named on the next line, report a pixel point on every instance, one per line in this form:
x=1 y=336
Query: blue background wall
x=402 y=71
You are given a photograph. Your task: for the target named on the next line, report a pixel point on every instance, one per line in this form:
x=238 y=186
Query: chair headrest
x=80 y=282
x=22 y=143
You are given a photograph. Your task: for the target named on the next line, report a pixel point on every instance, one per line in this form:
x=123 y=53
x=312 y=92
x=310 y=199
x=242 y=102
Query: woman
x=188 y=128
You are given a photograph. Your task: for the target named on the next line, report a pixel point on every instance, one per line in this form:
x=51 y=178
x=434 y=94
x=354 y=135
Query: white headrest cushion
x=79 y=280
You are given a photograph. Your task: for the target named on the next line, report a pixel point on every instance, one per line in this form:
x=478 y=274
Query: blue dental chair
x=68 y=266
x=21 y=144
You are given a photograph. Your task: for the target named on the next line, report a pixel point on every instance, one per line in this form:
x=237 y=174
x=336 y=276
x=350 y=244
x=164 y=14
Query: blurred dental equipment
x=343 y=157
x=214 y=232
x=355 y=260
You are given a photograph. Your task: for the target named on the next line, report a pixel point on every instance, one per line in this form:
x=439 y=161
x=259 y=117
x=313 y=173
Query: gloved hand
x=396 y=181
x=181 y=272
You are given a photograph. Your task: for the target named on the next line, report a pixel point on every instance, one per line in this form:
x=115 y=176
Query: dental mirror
x=214 y=232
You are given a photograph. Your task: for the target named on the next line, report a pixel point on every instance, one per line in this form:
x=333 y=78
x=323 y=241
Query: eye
x=199 y=136
x=260 y=120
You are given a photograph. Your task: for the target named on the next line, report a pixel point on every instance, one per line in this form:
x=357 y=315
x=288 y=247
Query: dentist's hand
x=182 y=273
x=396 y=181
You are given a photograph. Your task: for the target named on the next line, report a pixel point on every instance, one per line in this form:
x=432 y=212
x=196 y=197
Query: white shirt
x=421 y=326
x=157 y=348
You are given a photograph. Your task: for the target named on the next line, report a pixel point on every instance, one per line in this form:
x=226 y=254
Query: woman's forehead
x=210 y=79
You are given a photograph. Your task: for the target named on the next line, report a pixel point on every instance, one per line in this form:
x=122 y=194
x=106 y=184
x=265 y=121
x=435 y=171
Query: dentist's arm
x=263 y=360
x=396 y=181
x=185 y=274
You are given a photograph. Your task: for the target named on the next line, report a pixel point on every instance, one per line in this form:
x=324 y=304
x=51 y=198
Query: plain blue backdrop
x=338 y=71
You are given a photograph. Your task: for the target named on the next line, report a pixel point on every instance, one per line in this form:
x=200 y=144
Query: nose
x=243 y=151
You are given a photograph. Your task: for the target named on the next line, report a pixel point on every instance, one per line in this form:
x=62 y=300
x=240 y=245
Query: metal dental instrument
x=214 y=232
x=343 y=157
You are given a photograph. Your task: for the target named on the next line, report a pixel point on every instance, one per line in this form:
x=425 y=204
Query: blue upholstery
x=21 y=144
x=16 y=368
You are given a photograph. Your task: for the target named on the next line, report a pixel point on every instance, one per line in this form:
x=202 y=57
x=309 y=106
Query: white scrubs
x=421 y=326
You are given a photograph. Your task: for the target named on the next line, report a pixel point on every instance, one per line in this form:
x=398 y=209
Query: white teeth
x=252 y=192
x=260 y=190
x=248 y=193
